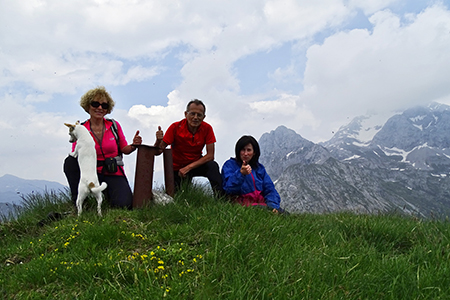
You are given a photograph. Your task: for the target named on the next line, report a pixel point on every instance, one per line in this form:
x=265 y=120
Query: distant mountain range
x=397 y=163
x=13 y=188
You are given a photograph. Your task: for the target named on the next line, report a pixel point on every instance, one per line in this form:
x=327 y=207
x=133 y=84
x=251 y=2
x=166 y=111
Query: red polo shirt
x=187 y=147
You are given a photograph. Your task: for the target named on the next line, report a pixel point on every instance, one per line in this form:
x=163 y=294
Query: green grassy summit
x=202 y=248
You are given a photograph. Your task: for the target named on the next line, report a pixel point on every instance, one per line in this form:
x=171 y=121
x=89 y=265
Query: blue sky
x=257 y=64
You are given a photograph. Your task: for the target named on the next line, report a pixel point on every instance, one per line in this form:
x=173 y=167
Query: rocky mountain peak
x=376 y=163
x=283 y=147
x=416 y=127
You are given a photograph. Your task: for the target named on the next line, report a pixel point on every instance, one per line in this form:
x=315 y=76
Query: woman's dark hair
x=244 y=141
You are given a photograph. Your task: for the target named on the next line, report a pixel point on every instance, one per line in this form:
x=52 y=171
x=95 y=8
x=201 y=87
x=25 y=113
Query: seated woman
x=110 y=142
x=246 y=180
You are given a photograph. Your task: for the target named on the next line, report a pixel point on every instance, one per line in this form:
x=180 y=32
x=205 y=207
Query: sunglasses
x=96 y=104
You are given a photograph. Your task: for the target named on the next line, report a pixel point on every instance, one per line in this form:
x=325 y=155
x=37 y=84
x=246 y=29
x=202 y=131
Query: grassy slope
x=202 y=248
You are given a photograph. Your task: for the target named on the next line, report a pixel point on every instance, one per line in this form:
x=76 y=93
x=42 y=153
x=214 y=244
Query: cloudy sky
x=257 y=64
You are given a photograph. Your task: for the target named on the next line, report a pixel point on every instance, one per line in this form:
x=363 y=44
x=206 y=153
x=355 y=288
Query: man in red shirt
x=188 y=137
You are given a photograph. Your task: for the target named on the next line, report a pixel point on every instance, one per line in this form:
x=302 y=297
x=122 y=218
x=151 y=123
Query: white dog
x=87 y=160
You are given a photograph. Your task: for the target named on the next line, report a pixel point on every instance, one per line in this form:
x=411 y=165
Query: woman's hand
x=137 y=140
x=245 y=169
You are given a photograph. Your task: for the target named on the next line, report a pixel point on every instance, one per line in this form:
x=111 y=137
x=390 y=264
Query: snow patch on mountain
x=395 y=151
x=369 y=127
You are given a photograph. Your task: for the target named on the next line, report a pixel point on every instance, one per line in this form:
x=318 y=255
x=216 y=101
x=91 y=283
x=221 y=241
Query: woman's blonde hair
x=90 y=95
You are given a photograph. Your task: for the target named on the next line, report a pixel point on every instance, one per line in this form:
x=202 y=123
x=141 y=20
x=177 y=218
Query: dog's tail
x=99 y=188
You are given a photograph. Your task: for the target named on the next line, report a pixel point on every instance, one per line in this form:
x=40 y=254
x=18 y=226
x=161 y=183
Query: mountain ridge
x=403 y=166
x=13 y=188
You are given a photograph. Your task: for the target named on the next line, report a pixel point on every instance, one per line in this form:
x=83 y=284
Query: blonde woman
x=110 y=144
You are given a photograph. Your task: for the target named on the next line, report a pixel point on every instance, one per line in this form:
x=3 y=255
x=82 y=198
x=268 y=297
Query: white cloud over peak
x=391 y=67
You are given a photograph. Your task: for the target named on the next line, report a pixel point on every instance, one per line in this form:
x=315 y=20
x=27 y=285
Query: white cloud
x=281 y=75
x=394 y=66
x=371 y=6
x=285 y=106
x=300 y=19
x=53 y=51
x=33 y=144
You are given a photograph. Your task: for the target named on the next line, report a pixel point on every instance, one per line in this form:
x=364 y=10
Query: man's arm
x=210 y=148
x=160 y=144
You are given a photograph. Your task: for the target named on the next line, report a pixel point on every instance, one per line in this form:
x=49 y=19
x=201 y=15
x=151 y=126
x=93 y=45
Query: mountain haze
x=13 y=188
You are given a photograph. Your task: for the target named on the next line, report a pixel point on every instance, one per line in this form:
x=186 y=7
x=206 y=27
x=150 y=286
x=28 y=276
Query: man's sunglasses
x=97 y=104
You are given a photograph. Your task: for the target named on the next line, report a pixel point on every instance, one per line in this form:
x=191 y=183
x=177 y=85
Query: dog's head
x=72 y=132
